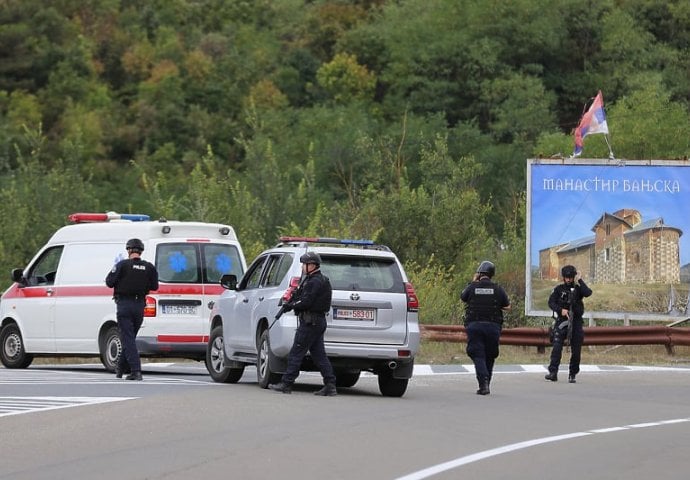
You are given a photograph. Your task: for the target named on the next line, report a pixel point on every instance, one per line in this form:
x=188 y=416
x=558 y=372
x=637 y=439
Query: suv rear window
x=372 y=274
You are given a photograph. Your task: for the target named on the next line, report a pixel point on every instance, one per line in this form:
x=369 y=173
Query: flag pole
x=608 y=144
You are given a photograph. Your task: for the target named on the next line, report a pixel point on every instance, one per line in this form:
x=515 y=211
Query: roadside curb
x=468 y=369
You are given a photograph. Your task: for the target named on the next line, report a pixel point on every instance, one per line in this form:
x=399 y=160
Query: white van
x=59 y=304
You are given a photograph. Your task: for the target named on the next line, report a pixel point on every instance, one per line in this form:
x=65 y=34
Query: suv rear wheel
x=392 y=387
x=346 y=379
x=264 y=375
x=215 y=360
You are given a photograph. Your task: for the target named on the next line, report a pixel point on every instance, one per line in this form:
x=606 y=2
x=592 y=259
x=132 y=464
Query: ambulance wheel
x=12 y=353
x=111 y=348
x=215 y=360
x=264 y=375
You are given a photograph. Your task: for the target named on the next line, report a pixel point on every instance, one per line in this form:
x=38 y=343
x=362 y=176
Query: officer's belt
x=309 y=318
x=129 y=297
x=498 y=322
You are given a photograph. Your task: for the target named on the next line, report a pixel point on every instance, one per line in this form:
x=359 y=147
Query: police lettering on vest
x=133 y=277
x=485 y=302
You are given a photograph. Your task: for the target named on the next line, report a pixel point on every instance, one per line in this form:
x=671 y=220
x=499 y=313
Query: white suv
x=372 y=326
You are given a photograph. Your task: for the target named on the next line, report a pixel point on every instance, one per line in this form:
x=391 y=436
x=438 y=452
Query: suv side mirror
x=228 y=282
x=18 y=276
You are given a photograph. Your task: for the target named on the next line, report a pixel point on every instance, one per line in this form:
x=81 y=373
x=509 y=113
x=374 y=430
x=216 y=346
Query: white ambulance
x=59 y=304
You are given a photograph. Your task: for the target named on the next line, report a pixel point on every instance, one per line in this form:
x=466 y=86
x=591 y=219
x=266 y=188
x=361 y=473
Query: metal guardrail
x=539 y=337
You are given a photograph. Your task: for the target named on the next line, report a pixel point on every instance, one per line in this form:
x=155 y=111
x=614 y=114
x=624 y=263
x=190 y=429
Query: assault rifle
x=571 y=316
x=284 y=307
x=290 y=294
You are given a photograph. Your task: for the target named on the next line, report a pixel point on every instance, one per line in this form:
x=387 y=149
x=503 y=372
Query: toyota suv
x=372 y=325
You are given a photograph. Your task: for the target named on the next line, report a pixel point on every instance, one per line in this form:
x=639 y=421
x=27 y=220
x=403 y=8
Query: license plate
x=179 y=309
x=367 y=314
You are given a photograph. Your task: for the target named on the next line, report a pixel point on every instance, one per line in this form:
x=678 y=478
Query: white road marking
x=34 y=376
x=20 y=405
x=475 y=457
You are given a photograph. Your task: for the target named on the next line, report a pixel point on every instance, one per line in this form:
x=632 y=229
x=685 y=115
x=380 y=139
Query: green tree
x=345 y=79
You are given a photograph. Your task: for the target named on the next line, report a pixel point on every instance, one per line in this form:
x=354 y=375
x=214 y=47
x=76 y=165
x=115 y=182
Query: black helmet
x=568 y=271
x=310 y=257
x=487 y=268
x=135 y=244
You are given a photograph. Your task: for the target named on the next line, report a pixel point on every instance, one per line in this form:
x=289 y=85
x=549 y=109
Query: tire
x=215 y=360
x=264 y=375
x=392 y=387
x=110 y=348
x=346 y=379
x=12 y=353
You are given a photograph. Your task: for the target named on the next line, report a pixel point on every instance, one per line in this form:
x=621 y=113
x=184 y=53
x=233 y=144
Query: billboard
x=624 y=225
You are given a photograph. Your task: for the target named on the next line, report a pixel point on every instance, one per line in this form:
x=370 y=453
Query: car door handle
x=49 y=292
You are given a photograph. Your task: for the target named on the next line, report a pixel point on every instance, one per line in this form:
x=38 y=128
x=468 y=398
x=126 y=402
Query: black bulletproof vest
x=135 y=278
x=484 y=304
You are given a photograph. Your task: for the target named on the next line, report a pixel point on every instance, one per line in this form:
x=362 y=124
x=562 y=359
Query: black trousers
x=559 y=337
x=309 y=338
x=482 y=346
x=130 y=316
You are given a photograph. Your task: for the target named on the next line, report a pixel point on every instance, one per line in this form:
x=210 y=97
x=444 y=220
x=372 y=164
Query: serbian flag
x=593 y=121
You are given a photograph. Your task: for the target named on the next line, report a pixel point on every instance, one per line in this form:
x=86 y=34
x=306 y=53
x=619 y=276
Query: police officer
x=485 y=303
x=132 y=279
x=310 y=301
x=566 y=298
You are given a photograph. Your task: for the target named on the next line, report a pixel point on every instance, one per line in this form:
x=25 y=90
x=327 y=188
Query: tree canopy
x=404 y=121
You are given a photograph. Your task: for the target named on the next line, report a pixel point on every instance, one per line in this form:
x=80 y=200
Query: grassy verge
x=442 y=353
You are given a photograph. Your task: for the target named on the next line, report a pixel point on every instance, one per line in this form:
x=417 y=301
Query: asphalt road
x=82 y=423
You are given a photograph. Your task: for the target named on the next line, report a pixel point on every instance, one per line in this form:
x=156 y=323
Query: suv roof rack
x=343 y=242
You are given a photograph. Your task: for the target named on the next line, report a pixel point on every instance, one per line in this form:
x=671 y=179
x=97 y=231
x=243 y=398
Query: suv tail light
x=294 y=283
x=412 y=300
x=150 y=308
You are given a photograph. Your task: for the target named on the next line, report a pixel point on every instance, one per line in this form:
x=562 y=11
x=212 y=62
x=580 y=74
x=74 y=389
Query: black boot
x=134 y=376
x=281 y=387
x=328 y=390
x=483 y=387
x=552 y=376
x=571 y=378
x=122 y=370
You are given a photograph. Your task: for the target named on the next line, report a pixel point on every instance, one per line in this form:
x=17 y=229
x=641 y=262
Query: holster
x=308 y=318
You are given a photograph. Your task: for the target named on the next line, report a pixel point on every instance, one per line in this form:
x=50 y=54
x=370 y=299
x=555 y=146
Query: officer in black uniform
x=485 y=303
x=132 y=279
x=310 y=301
x=565 y=298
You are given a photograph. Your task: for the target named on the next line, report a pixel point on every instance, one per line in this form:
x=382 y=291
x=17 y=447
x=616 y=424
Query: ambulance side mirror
x=18 y=276
x=228 y=282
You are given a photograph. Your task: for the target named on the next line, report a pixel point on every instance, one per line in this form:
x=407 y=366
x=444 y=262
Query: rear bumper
x=396 y=360
x=151 y=346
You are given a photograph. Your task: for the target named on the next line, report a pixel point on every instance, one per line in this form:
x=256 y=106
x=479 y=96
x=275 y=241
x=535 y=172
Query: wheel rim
x=13 y=345
x=263 y=358
x=114 y=350
x=217 y=355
